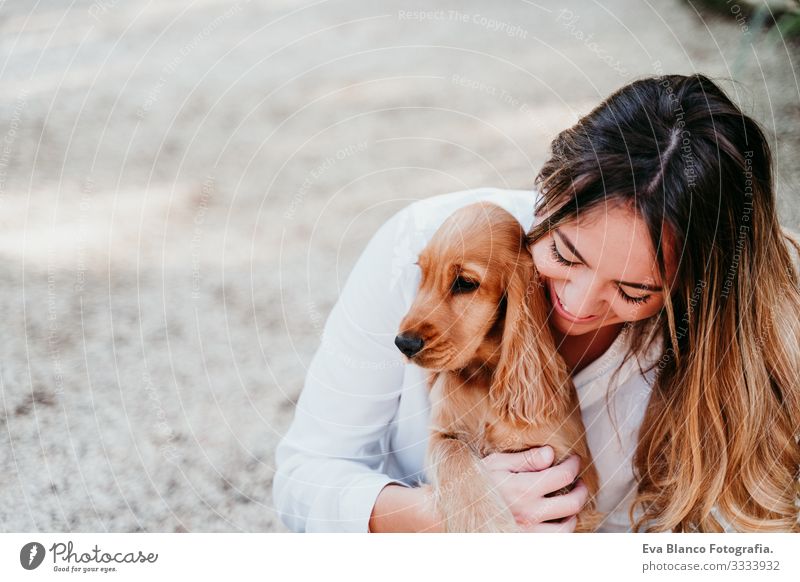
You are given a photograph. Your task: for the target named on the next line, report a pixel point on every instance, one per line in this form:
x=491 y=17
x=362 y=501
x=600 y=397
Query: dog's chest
x=463 y=410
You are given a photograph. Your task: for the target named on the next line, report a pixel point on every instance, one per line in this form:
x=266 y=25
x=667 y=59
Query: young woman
x=675 y=304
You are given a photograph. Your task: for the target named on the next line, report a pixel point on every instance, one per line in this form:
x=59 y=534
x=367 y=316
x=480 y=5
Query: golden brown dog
x=479 y=324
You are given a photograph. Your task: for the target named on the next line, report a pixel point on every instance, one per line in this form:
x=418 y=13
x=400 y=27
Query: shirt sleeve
x=327 y=473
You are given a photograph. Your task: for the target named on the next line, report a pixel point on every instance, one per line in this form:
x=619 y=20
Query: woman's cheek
x=628 y=312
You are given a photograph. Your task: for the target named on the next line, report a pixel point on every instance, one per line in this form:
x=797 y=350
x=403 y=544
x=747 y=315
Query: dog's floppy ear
x=530 y=383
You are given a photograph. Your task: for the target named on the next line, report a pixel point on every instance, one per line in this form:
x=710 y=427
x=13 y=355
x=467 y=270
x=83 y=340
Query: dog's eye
x=462 y=285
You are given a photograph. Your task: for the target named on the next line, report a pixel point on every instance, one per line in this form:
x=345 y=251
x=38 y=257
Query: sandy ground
x=185 y=186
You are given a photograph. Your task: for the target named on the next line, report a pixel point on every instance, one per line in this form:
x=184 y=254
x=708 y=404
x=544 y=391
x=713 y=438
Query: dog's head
x=466 y=269
x=480 y=304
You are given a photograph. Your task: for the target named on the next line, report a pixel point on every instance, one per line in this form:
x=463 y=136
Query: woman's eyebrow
x=571 y=247
x=574 y=251
x=642 y=286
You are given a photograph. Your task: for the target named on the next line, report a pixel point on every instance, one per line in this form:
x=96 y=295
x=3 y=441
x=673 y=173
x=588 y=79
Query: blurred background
x=185 y=185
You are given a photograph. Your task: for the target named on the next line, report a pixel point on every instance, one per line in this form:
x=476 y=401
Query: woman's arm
x=405 y=509
x=327 y=475
x=523 y=480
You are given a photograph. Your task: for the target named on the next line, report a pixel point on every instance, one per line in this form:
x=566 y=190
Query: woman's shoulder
x=424 y=216
x=404 y=234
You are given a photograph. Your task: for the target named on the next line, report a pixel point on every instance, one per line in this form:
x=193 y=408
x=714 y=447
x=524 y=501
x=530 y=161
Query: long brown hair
x=719 y=437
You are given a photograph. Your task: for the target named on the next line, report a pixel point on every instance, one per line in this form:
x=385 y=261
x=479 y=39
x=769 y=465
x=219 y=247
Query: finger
x=563 y=506
x=564 y=526
x=560 y=475
x=547 y=480
x=533 y=459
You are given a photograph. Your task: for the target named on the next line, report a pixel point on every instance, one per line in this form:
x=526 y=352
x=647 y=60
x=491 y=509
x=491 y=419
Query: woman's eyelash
x=625 y=297
x=634 y=300
x=557 y=256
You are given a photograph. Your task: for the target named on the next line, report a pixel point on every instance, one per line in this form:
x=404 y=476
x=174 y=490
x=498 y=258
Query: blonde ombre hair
x=718 y=445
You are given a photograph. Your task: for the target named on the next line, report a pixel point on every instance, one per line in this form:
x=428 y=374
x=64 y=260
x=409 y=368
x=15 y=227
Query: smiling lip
x=556 y=301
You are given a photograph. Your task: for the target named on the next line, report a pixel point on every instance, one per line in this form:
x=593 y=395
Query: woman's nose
x=581 y=298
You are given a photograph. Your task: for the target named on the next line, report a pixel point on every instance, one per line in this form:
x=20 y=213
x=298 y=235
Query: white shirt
x=361 y=421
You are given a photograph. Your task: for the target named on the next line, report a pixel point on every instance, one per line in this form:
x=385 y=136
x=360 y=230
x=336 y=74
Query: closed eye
x=558 y=257
x=633 y=300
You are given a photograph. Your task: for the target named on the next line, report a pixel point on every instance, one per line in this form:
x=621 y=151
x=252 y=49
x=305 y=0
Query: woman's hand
x=525 y=477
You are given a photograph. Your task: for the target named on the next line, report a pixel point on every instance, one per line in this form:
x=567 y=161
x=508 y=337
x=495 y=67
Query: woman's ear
x=530 y=383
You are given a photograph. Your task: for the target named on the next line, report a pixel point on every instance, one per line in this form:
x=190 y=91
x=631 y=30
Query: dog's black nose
x=410 y=345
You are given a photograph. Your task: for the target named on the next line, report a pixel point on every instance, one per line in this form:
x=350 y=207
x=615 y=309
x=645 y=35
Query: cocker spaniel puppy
x=479 y=324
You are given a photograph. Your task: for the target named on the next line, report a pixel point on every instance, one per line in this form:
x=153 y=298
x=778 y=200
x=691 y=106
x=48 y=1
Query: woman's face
x=600 y=269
